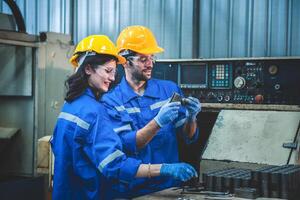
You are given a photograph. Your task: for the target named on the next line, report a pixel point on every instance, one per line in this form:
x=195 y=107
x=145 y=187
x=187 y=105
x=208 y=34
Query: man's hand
x=193 y=107
x=167 y=113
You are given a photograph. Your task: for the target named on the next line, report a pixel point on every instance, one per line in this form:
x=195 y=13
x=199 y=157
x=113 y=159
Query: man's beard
x=140 y=76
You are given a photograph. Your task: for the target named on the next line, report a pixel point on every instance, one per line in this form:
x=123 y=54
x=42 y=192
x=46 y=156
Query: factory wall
x=185 y=28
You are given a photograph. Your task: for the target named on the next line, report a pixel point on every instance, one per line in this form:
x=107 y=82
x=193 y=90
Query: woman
x=88 y=155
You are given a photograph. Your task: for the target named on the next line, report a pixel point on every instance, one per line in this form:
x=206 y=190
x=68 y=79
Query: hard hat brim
x=73 y=59
x=121 y=59
x=148 y=51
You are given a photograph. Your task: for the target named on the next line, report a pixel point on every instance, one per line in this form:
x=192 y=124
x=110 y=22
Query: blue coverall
x=89 y=159
x=130 y=112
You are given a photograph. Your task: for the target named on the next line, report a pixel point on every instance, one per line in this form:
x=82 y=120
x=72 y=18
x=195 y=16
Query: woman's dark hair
x=77 y=83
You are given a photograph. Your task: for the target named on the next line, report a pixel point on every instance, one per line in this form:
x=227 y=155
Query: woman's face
x=101 y=77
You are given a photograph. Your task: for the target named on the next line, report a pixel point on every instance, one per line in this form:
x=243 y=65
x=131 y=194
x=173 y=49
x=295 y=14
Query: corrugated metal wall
x=164 y=17
x=226 y=28
x=43 y=15
x=249 y=28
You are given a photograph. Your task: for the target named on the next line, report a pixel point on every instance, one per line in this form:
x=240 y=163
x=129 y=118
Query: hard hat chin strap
x=83 y=57
x=125 y=53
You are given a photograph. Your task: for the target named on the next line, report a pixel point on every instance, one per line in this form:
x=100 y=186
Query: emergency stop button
x=259 y=98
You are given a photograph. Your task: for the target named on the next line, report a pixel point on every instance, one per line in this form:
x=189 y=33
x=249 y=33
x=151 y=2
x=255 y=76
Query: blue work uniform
x=130 y=112
x=89 y=158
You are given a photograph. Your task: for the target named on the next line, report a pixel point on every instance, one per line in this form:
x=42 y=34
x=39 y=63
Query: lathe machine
x=249 y=127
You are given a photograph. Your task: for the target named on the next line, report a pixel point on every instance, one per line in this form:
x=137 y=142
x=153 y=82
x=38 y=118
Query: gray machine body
x=254 y=137
x=31 y=95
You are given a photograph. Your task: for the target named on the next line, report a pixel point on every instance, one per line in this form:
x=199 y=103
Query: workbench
x=175 y=193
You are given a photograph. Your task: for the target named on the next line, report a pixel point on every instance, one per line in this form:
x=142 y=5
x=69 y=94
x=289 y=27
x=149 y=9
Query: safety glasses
x=143 y=59
x=107 y=70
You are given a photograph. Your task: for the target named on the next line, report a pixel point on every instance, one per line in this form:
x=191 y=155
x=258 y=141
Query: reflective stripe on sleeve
x=128 y=110
x=126 y=127
x=159 y=104
x=72 y=118
x=120 y=108
x=111 y=157
x=133 y=110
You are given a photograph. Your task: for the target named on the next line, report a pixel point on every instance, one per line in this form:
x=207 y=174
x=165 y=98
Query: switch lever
x=290 y=145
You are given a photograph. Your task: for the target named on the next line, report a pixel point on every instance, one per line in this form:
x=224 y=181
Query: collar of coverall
x=151 y=90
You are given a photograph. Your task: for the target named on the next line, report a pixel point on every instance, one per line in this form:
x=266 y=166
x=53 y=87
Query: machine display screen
x=193 y=76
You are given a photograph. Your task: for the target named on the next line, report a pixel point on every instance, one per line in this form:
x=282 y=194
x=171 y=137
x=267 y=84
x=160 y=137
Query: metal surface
x=16 y=70
x=252 y=136
x=18 y=157
x=57 y=69
x=266 y=83
x=12 y=35
x=218 y=106
x=171 y=21
x=7 y=133
x=31 y=90
x=7 y=22
x=295 y=156
x=18 y=43
x=52 y=70
x=270 y=181
x=226 y=28
x=175 y=193
x=17 y=15
x=227 y=59
x=249 y=28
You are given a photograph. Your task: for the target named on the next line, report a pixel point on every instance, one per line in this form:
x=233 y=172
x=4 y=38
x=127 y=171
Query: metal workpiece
x=265 y=176
x=246 y=180
x=176 y=194
x=256 y=178
x=268 y=180
x=226 y=180
x=280 y=182
x=271 y=181
x=290 y=183
x=210 y=178
x=246 y=192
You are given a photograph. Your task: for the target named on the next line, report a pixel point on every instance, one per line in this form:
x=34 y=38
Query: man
x=143 y=117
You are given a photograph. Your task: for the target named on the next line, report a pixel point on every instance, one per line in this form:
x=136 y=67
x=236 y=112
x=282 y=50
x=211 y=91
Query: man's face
x=142 y=65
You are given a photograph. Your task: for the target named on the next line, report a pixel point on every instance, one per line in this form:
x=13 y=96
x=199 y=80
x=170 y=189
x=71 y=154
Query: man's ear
x=126 y=64
x=88 y=69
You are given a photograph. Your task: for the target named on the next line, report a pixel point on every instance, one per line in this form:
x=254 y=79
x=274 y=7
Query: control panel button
x=273 y=69
x=239 y=82
x=277 y=86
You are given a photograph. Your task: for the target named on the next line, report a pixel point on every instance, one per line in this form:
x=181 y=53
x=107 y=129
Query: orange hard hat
x=138 y=39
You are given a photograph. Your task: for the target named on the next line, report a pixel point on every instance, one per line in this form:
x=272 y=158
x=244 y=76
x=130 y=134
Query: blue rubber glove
x=179 y=171
x=193 y=107
x=167 y=113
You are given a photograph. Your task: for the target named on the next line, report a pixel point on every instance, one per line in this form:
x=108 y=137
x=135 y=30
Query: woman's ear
x=88 y=69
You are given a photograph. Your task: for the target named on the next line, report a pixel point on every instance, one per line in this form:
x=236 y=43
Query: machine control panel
x=220 y=76
x=273 y=81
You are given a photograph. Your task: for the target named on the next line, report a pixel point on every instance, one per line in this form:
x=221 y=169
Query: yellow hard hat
x=138 y=39
x=99 y=44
